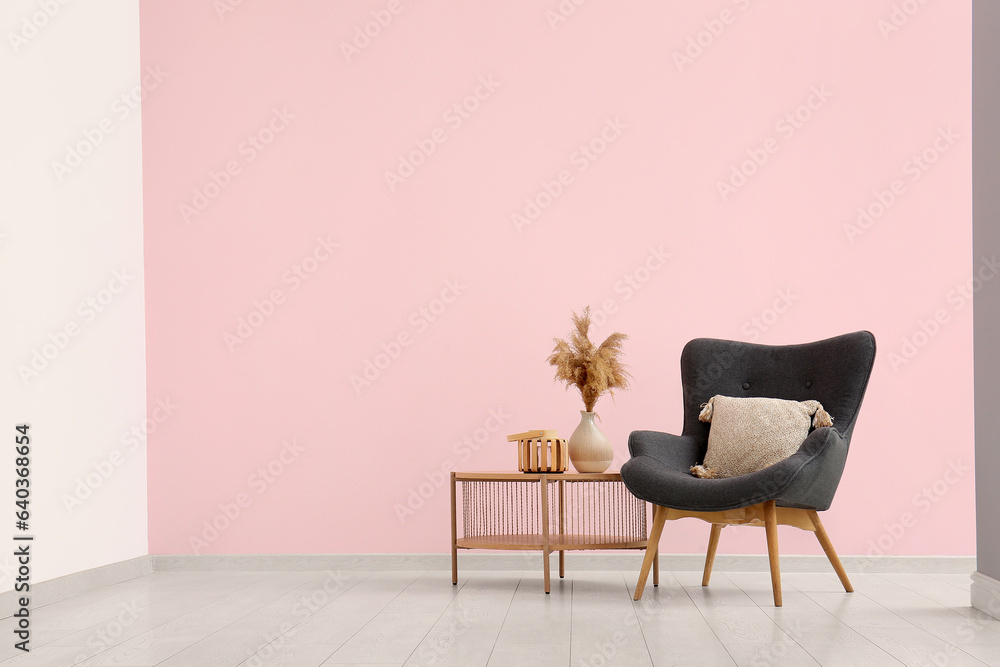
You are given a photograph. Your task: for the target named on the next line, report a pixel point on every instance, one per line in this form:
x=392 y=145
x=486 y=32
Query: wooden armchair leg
x=652 y=548
x=713 y=543
x=771 y=526
x=827 y=545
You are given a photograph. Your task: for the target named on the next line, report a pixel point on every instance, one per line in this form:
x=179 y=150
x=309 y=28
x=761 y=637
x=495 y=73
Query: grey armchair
x=834 y=372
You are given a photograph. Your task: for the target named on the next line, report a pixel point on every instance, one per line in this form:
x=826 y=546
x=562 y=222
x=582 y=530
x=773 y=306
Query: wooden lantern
x=541 y=451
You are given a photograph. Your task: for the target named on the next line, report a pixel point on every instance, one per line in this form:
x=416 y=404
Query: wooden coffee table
x=516 y=510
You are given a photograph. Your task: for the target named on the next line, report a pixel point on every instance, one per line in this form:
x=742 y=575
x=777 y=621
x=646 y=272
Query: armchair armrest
x=675 y=451
x=821 y=439
x=809 y=477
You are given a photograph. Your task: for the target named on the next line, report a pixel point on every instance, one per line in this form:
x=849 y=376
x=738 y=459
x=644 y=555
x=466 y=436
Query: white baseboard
x=479 y=560
x=60 y=588
x=985 y=594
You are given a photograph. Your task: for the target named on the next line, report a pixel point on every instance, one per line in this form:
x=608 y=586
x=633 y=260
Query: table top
x=510 y=476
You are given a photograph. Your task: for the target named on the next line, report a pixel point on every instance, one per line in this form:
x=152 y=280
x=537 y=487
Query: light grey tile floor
x=309 y=619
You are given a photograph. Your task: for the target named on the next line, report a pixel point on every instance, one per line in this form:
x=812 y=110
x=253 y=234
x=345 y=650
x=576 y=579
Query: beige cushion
x=750 y=434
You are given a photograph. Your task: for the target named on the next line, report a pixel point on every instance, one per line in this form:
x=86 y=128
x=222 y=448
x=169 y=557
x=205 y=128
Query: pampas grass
x=595 y=371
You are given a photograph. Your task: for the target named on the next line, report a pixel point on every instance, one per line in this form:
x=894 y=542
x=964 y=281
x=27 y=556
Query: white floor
x=307 y=619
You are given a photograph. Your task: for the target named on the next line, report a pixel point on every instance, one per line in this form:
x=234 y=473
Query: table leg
x=454 y=536
x=562 y=528
x=545 y=530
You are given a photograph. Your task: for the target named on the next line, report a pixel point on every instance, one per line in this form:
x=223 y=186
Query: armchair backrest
x=834 y=372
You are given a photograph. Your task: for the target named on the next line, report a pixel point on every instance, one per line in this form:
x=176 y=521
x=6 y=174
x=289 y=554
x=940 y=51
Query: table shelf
x=534 y=541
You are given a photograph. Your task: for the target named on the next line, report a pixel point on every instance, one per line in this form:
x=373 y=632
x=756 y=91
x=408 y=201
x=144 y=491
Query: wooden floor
x=503 y=618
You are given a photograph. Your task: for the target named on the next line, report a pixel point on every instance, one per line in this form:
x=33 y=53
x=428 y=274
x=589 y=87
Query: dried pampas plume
x=593 y=370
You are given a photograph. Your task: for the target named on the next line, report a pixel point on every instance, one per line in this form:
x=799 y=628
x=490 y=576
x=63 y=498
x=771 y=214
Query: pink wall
x=267 y=200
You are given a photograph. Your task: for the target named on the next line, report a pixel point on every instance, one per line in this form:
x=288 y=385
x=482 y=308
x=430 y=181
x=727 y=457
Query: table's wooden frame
x=547 y=543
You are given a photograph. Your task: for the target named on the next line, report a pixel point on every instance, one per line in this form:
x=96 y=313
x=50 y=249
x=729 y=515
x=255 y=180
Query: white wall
x=67 y=237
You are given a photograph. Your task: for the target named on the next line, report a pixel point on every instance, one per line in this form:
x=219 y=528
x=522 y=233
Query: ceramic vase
x=589 y=448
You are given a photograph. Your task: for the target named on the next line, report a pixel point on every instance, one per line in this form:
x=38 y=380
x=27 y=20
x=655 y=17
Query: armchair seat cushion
x=678 y=489
x=658 y=473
